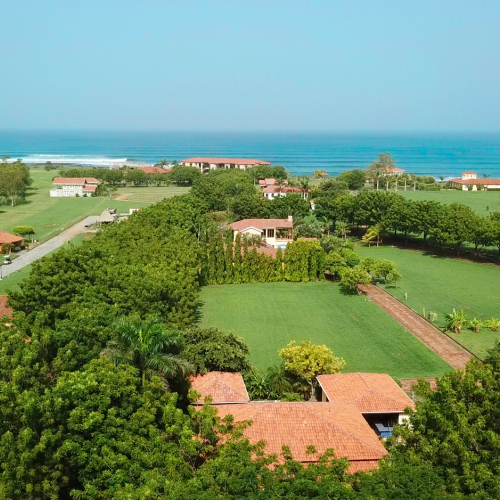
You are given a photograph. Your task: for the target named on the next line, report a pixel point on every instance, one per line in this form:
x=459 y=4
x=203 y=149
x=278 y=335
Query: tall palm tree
x=149 y=347
x=304 y=184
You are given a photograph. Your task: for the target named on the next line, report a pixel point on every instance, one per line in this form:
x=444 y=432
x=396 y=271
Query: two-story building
x=274 y=232
x=469 y=178
x=206 y=163
x=74 y=186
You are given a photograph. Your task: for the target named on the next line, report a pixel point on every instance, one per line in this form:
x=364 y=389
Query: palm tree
x=342 y=228
x=373 y=233
x=304 y=184
x=278 y=379
x=455 y=321
x=149 y=347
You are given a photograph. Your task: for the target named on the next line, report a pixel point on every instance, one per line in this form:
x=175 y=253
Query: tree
x=455 y=321
x=351 y=277
x=149 y=347
x=355 y=179
x=14 y=179
x=385 y=270
x=475 y=324
x=456 y=430
x=309 y=360
x=209 y=349
x=24 y=231
x=373 y=233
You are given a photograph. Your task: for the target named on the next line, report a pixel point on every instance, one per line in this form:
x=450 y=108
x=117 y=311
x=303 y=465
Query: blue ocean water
x=440 y=155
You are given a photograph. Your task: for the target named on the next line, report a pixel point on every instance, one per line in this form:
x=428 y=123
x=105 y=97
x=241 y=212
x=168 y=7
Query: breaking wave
x=98 y=161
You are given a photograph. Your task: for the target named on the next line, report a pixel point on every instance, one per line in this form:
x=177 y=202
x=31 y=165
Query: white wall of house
x=69 y=191
x=469 y=175
x=267 y=235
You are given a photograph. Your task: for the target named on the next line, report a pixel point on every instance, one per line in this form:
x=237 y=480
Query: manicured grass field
x=482 y=202
x=440 y=284
x=49 y=216
x=269 y=315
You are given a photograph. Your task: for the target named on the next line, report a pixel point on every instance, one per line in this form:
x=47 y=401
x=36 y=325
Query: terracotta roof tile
x=4 y=309
x=262 y=224
x=75 y=180
x=222 y=387
x=477 y=182
x=369 y=392
x=284 y=189
x=6 y=237
x=299 y=425
x=392 y=169
x=469 y=172
x=155 y=170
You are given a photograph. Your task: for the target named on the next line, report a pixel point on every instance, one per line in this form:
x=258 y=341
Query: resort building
x=352 y=419
x=393 y=171
x=155 y=170
x=74 y=186
x=206 y=164
x=271 y=192
x=9 y=241
x=273 y=232
x=469 y=178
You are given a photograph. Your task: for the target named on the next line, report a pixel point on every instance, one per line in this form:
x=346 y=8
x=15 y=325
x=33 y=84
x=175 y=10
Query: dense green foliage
x=14 y=180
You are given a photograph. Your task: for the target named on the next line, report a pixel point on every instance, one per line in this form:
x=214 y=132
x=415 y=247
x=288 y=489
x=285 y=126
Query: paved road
x=49 y=246
x=456 y=356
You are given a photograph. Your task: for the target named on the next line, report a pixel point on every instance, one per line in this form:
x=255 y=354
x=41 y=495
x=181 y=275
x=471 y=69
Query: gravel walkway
x=442 y=345
x=49 y=246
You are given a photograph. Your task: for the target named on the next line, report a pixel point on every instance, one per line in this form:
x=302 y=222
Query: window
x=270 y=233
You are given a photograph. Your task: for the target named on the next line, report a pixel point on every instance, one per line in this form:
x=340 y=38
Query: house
x=272 y=192
x=274 y=232
x=375 y=395
x=9 y=239
x=155 y=170
x=392 y=171
x=270 y=182
x=74 y=186
x=4 y=309
x=222 y=387
x=469 y=178
x=345 y=420
x=205 y=163
x=302 y=424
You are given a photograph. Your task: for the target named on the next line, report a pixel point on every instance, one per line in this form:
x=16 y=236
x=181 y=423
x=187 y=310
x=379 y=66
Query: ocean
x=439 y=155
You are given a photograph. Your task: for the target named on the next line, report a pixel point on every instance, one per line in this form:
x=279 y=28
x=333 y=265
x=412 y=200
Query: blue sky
x=403 y=65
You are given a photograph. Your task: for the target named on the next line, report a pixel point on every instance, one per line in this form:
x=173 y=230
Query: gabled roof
x=392 y=169
x=107 y=216
x=155 y=170
x=222 y=387
x=469 y=172
x=234 y=161
x=477 y=182
x=89 y=188
x=262 y=224
x=368 y=392
x=6 y=237
x=4 y=309
x=299 y=425
x=284 y=189
x=76 y=180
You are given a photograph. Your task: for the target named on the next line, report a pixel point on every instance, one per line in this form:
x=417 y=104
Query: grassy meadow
x=483 y=202
x=49 y=216
x=439 y=284
x=269 y=315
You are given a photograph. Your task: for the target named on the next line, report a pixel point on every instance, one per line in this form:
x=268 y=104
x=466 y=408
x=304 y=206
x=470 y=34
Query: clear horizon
x=280 y=66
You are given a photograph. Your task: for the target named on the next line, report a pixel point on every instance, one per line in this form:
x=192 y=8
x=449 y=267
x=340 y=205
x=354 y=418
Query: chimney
x=290 y=218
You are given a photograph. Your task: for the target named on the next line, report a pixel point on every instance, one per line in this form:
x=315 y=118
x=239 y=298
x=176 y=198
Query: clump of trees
x=456 y=321
x=14 y=180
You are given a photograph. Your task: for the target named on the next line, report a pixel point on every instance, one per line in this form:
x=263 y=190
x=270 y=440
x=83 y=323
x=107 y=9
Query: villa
x=469 y=178
x=273 y=232
x=155 y=170
x=352 y=419
x=393 y=171
x=74 y=186
x=206 y=164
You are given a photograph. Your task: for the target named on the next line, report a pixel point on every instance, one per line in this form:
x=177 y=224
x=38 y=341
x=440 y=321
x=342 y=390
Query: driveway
x=49 y=246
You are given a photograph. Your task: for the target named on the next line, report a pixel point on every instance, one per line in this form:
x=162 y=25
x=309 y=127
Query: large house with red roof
x=9 y=239
x=206 y=163
x=393 y=171
x=352 y=419
x=272 y=189
x=74 y=186
x=273 y=232
x=469 y=180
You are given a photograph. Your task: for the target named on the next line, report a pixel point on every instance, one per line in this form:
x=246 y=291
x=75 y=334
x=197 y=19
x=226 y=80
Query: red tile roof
x=6 y=237
x=234 y=161
x=222 y=387
x=469 y=172
x=284 y=189
x=262 y=224
x=76 y=180
x=155 y=170
x=368 y=392
x=299 y=425
x=477 y=182
x=89 y=188
x=4 y=309
x=392 y=169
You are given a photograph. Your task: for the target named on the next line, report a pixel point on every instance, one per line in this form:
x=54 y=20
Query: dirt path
x=443 y=346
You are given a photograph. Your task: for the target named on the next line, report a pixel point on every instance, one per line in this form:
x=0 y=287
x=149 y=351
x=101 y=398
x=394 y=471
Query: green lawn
x=483 y=202
x=440 y=284
x=270 y=315
x=49 y=216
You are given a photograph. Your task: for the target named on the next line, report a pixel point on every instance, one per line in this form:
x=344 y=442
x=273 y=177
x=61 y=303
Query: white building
x=74 y=186
x=469 y=178
x=393 y=171
x=205 y=164
x=274 y=232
